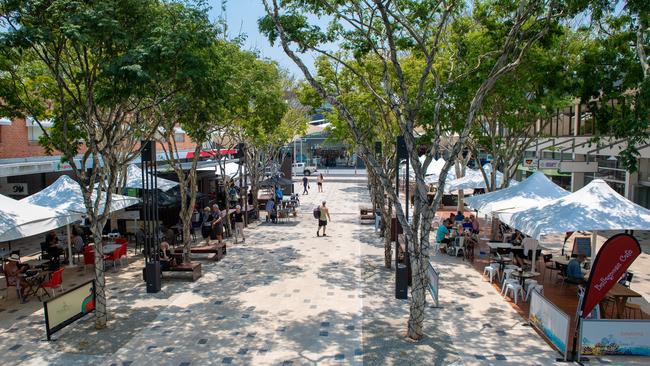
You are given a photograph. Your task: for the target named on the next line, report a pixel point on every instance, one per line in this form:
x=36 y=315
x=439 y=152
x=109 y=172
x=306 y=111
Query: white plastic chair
x=516 y=289
x=492 y=270
x=536 y=287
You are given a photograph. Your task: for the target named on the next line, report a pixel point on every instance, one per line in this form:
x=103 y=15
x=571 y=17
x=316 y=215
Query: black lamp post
x=401 y=274
x=149 y=194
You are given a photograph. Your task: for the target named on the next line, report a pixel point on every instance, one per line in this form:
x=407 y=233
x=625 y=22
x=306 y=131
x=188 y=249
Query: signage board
x=14 y=189
x=613 y=259
x=582 y=245
x=530 y=163
x=549 y=164
x=68 y=307
x=550 y=320
x=432 y=276
x=578 y=167
x=127 y=215
x=615 y=337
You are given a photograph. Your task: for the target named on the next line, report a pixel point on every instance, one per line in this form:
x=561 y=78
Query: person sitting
x=517 y=249
x=574 y=270
x=470 y=243
x=15 y=274
x=442 y=235
x=167 y=260
x=54 y=250
x=467 y=225
x=459 y=217
x=452 y=217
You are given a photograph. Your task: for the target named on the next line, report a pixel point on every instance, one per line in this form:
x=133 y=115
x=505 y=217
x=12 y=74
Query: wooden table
x=524 y=275
x=620 y=294
x=497 y=245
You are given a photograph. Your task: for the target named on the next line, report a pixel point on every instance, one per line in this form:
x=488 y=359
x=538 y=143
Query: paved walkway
x=286 y=297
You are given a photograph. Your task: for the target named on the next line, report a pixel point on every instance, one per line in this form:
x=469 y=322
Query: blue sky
x=242 y=16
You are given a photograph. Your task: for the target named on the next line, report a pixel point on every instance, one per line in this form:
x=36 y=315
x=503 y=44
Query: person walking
x=322 y=220
x=305 y=184
x=319 y=181
x=206 y=224
x=239 y=224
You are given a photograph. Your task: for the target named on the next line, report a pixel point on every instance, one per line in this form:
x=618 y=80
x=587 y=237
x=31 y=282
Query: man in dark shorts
x=322 y=220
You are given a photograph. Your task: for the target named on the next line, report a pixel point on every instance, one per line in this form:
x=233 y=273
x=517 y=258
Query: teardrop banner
x=613 y=259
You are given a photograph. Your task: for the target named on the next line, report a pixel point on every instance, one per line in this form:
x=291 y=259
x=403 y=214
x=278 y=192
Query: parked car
x=302 y=169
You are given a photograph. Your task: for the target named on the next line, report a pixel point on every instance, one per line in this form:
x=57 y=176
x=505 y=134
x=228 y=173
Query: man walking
x=238 y=216
x=305 y=184
x=322 y=221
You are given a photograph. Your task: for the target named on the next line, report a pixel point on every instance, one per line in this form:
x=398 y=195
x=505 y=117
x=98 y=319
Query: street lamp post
x=401 y=274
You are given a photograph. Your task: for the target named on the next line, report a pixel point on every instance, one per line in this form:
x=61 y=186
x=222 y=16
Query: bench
x=219 y=250
x=192 y=267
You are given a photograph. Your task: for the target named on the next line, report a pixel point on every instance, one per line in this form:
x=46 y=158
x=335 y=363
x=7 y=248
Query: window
x=179 y=137
x=34 y=130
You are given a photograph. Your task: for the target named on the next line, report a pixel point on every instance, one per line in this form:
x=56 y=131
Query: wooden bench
x=192 y=267
x=219 y=250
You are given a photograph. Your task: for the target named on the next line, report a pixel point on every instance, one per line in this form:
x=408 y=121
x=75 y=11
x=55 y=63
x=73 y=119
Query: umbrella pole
x=594 y=238
x=67 y=227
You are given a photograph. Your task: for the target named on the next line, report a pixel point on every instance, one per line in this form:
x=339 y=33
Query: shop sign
x=530 y=163
x=60 y=166
x=549 y=164
x=550 y=320
x=600 y=337
x=14 y=189
x=613 y=259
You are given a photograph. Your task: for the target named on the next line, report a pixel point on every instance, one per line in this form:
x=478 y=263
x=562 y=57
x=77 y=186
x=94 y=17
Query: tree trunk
x=420 y=281
x=386 y=227
x=101 y=314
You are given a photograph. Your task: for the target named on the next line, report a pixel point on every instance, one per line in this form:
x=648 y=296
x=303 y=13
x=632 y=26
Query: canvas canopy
x=474 y=179
x=64 y=195
x=231 y=169
x=21 y=219
x=134 y=179
x=595 y=207
x=535 y=190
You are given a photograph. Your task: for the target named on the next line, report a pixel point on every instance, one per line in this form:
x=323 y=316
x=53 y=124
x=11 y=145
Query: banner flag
x=613 y=259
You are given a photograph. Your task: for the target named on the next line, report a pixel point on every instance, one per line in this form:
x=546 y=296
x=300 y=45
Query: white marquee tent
x=595 y=207
x=21 y=219
x=134 y=179
x=473 y=179
x=65 y=196
x=535 y=190
x=231 y=169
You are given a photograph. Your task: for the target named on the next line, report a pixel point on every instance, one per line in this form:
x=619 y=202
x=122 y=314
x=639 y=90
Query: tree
x=613 y=76
x=203 y=98
x=406 y=35
x=95 y=68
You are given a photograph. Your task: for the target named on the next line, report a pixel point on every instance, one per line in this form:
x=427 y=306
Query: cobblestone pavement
x=285 y=297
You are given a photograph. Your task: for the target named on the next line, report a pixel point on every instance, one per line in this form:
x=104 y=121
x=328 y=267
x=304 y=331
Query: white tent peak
x=595 y=207
x=65 y=195
x=134 y=179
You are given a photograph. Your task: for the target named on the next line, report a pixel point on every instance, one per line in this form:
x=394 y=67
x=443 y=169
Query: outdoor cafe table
x=620 y=294
x=502 y=261
x=110 y=248
x=524 y=275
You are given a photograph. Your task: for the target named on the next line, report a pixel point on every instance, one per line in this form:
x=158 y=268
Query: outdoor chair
x=113 y=257
x=626 y=280
x=89 y=256
x=56 y=281
x=123 y=253
x=515 y=288
x=11 y=281
x=492 y=270
x=458 y=246
x=507 y=278
x=536 y=287
x=549 y=265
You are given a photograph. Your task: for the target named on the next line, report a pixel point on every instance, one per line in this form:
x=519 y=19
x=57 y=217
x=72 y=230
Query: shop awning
x=211 y=153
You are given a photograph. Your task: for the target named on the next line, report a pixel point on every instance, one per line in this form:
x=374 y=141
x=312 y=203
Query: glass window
x=34 y=133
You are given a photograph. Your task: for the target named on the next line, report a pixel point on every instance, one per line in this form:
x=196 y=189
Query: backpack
x=317 y=212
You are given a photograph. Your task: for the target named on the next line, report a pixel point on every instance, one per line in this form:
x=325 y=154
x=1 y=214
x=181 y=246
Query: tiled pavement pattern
x=287 y=297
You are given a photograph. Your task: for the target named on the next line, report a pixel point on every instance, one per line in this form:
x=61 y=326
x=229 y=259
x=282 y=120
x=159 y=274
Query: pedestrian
x=305 y=184
x=319 y=181
x=217 y=224
x=239 y=224
x=322 y=220
x=206 y=224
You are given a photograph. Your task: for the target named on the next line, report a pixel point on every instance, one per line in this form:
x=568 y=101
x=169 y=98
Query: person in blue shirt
x=443 y=232
x=574 y=270
x=278 y=193
x=459 y=217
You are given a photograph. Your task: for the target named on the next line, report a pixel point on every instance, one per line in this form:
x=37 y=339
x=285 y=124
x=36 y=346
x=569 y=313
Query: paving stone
x=15 y=347
x=339 y=356
x=499 y=357
x=323 y=333
x=227 y=360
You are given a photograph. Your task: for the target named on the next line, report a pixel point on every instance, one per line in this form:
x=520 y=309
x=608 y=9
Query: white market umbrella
x=535 y=190
x=474 y=179
x=65 y=196
x=134 y=179
x=21 y=219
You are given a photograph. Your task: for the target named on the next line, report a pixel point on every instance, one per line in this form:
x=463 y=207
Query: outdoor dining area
x=540 y=241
